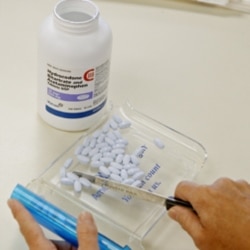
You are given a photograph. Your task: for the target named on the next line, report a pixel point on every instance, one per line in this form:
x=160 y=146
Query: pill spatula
x=140 y=193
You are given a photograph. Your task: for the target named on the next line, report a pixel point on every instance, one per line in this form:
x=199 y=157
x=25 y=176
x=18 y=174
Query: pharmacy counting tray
x=164 y=156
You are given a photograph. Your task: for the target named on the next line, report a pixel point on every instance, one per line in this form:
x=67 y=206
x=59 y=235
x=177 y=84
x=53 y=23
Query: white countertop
x=184 y=65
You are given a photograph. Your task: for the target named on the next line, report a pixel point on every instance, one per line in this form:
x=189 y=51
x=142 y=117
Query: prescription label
x=76 y=93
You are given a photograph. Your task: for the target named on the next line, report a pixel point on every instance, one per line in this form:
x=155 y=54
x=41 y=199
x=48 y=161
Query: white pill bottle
x=74 y=50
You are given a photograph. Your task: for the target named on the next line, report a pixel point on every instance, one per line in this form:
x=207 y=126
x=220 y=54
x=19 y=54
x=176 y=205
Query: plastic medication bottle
x=74 y=50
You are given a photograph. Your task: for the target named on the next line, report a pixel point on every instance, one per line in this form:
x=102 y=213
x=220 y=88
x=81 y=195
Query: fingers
x=31 y=231
x=33 y=234
x=87 y=232
x=222 y=206
x=187 y=219
x=186 y=190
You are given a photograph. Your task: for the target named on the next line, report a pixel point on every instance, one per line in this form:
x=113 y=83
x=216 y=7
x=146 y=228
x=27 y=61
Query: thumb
x=29 y=228
x=187 y=219
x=87 y=232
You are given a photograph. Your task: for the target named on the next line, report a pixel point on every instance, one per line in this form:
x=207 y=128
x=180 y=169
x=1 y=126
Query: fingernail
x=10 y=203
x=85 y=217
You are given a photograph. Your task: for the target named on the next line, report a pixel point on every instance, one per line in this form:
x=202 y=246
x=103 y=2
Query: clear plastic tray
x=126 y=220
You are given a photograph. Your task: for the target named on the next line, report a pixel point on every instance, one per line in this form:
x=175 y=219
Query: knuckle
x=182 y=185
x=223 y=181
x=202 y=194
x=87 y=231
x=242 y=182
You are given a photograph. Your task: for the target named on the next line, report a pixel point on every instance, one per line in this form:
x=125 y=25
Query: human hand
x=222 y=221
x=36 y=240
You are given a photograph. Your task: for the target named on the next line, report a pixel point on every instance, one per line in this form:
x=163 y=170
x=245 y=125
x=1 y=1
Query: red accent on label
x=89 y=75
